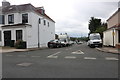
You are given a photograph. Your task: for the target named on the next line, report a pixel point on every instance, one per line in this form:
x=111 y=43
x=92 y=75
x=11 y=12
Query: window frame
x=39 y=20
x=19 y=35
x=44 y=21
x=48 y=24
x=25 y=18
x=11 y=19
x=3 y=19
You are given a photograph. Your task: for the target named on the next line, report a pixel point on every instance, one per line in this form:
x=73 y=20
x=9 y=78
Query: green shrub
x=20 y=44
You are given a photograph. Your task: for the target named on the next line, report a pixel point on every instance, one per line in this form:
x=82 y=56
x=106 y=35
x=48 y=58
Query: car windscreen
x=94 y=37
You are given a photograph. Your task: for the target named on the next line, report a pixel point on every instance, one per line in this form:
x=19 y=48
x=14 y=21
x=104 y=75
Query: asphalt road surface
x=77 y=61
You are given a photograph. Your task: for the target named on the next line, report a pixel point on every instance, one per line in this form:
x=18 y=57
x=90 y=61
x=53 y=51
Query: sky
x=72 y=16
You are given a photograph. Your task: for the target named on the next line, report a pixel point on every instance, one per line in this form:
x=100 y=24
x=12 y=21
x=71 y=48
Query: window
x=39 y=21
x=44 y=22
x=18 y=35
x=24 y=18
x=0 y=36
x=48 y=24
x=2 y=19
x=11 y=19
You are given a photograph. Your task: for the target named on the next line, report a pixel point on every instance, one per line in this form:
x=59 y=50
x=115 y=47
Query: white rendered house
x=25 y=22
x=112 y=34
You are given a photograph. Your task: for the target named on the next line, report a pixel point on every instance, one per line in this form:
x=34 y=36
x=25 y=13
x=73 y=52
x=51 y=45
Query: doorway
x=7 y=38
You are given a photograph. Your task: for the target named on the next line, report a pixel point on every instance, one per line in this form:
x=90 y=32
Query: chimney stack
x=5 y=3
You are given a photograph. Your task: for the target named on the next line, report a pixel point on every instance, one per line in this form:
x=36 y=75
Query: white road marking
x=9 y=55
x=55 y=54
x=24 y=64
x=35 y=56
x=92 y=58
x=78 y=52
x=70 y=57
x=52 y=57
x=111 y=58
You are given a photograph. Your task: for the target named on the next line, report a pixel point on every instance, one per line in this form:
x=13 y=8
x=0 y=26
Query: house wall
x=114 y=20
x=13 y=33
x=30 y=33
x=45 y=33
x=108 y=38
x=17 y=18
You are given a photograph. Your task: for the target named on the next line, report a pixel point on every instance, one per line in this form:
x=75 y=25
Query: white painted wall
x=108 y=38
x=17 y=18
x=45 y=33
x=30 y=33
x=13 y=33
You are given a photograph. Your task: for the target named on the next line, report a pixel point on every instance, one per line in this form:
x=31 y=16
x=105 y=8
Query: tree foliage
x=94 y=23
x=56 y=36
x=96 y=26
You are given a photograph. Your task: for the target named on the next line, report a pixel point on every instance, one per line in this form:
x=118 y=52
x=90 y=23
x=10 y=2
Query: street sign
x=113 y=33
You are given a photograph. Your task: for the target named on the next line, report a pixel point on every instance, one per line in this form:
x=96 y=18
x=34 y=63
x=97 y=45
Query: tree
x=96 y=26
x=73 y=38
x=56 y=36
x=101 y=29
x=94 y=23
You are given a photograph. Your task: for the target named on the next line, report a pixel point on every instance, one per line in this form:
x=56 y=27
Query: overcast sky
x=72 y=16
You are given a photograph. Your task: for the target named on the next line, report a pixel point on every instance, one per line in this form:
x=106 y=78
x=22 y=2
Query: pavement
x=109 y=50
x=12 y=49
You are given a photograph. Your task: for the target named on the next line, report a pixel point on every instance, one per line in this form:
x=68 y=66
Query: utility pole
x=38 y=34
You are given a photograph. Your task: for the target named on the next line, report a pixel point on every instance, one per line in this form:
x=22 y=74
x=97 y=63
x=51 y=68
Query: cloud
x=72 y=16
x=78 y=21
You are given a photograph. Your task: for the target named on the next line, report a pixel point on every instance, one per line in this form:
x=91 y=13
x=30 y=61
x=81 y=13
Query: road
x=77 y=61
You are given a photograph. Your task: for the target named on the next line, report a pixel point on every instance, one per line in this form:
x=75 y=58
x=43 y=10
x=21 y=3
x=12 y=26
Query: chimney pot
x=5 y=3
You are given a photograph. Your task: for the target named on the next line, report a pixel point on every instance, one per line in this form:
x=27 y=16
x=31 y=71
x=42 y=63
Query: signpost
x=113 y=34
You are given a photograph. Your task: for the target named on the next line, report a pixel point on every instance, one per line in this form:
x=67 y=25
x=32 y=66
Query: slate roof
x=18 y=8
x=23 y=8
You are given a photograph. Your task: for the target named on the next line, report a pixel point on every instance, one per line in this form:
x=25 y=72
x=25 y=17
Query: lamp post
x=38 y=34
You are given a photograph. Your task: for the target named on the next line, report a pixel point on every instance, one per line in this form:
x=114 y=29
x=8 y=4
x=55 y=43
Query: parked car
x=54 y=44
x=71 y=43
x=65 y=43
x=94 y=40
x=80 y=42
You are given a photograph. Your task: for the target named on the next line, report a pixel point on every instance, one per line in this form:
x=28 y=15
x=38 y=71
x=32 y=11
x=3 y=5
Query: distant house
x=25 y=22
x=112 y=34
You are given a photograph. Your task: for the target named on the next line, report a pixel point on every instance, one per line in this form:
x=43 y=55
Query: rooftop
x=23 y=8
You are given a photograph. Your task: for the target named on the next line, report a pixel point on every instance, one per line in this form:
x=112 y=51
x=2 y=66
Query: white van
x=94 y=40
